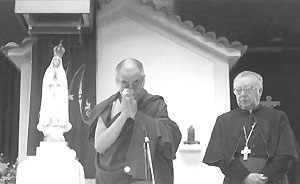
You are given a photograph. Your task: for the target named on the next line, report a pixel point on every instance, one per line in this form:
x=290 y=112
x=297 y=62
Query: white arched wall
x=185 y=78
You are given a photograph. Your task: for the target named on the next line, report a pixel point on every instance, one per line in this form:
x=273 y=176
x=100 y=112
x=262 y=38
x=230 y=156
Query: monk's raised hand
x=128 y=104
x=125 y=108
x=132 y=106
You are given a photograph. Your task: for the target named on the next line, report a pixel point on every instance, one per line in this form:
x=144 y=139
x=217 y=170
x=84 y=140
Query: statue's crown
x=59 y=50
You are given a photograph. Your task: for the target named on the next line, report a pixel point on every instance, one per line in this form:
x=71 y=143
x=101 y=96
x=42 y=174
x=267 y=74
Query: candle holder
x=191 y=136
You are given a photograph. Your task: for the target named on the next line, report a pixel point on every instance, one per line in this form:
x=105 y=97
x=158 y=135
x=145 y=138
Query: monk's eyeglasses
x=135 y=85
x=247 y=90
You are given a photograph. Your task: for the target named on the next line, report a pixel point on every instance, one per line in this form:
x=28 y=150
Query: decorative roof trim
x=208 y=38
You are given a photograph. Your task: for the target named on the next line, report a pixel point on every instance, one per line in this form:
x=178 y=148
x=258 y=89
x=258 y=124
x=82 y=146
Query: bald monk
x=118 y=127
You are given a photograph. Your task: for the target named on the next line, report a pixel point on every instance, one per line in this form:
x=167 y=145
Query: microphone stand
x=147 y=154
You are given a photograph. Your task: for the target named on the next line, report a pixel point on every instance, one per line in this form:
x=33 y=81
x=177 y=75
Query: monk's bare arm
x=105 y=137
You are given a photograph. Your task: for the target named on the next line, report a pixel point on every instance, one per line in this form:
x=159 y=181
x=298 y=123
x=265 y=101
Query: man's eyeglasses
x=247 y=90
x=137 y=84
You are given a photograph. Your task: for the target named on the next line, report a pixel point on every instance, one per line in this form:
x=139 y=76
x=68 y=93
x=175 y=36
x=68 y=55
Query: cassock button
x=127 y=169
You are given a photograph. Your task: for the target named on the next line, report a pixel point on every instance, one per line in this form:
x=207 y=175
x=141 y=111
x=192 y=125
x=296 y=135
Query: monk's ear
x=143 y=80
x=260 y=91
x=118 y=81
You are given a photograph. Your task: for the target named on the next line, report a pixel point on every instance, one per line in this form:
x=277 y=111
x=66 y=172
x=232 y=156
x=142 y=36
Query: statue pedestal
x=54 y=163
x=59 y=150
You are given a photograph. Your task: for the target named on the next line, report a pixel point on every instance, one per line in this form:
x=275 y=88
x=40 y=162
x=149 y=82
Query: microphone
x=146 y=134
x=148 y=159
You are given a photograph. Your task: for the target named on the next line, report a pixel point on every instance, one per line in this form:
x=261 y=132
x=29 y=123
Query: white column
x=21 y=56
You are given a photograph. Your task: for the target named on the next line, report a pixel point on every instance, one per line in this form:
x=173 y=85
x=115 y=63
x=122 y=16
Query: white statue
x=54 y=111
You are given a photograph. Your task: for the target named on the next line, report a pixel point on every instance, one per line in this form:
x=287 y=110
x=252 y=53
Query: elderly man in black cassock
x=118 y=127
x=252 y=144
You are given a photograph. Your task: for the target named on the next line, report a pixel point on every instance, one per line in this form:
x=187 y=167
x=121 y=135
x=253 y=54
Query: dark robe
x=278 y=139
x=127 y=150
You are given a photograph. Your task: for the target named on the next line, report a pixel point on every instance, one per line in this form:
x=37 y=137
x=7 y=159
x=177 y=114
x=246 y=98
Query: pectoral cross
x=246 y=151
